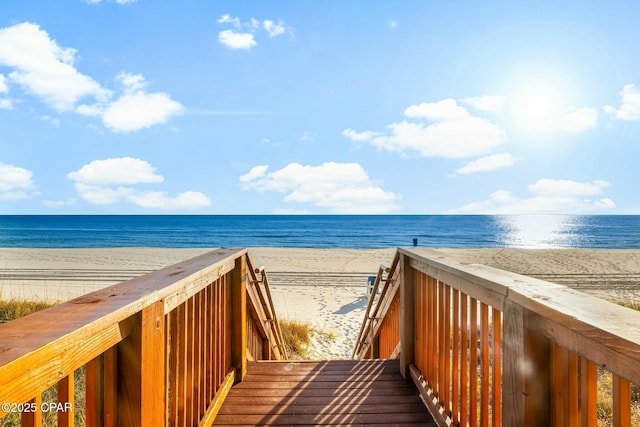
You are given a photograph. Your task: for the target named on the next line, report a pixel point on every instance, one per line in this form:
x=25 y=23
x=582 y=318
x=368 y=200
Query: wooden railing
x=489 y=347
x=160 y=349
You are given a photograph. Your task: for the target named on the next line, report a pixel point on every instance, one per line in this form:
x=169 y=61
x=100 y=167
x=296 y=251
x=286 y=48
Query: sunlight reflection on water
x=540 y=231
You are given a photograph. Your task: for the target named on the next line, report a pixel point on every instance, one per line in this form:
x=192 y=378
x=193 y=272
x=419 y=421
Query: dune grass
x=298 y=338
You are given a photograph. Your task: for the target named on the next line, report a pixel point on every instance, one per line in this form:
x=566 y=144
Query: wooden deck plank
x=325 y=408
x=320 y=420
x=348 y=393
x=324 y=393
x=319 y=400
x=346 y=424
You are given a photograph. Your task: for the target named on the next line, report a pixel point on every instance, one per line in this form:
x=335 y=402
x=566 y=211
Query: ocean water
x=321 y=231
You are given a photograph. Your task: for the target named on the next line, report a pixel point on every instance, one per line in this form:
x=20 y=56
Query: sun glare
x=536 y=108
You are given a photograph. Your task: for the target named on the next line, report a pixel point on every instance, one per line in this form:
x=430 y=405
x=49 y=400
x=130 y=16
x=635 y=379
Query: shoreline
x=324 y=287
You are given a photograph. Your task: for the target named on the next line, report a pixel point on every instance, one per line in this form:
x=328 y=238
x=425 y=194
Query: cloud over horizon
x=338 y=187
x=110 y=181
x=15 y=182
x=547 y=196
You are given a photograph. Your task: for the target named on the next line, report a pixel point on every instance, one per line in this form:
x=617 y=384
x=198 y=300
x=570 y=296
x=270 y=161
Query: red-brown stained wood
x=66 y=395
x=621 y=402
x=33 y=416
x=111 y=387
x=473 y=364
x=93 y=390
x=317 y=393
x=464 y=359
x=496 y=379
x=589 y=393
x=485 y=361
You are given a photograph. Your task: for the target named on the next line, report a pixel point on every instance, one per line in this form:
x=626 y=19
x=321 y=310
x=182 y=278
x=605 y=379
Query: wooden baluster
x=441 y=343
x=496 y=379
x=447 y=349
x=588 y=393
x=473 y=363
x=572 y=397
x=110 y=387
x=621 y=402
x=484 y=357
x=141 y=377
x=66 y=397
x=559 y=366
x=455 y=395
x=93 y=378
x=173 y=333
x=33 y=416
x=464 y=360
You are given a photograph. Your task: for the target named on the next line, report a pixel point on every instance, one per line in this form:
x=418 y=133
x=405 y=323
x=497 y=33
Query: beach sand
x=325 y=287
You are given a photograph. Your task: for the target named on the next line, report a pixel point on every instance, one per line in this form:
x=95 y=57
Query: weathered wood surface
x=324 y=393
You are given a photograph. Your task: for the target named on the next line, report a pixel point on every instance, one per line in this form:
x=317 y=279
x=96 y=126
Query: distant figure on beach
x=415 y=241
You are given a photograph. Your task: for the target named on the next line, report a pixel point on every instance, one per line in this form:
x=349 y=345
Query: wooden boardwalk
x=331 y=393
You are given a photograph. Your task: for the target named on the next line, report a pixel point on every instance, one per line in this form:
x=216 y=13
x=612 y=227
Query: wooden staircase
x=324 y=393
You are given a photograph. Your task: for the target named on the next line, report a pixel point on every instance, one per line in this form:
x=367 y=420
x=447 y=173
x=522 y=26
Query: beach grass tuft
x=12 y=309
x=297 y=337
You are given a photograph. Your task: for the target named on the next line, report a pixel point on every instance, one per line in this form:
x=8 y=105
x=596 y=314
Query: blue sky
x=238 y=107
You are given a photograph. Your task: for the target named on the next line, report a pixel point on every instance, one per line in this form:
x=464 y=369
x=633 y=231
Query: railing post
x=141 y=371
x=407 y=285
x=239 y=317
x=525 y=380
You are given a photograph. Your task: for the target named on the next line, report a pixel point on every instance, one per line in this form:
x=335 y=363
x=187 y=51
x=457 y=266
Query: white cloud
x=548 y=196
x=243 y=36
x=488 y=103
x=629 y=109
x=489 y=163
x=44 y=68
x=135 y=111
x=235 y=40
x=160 y=200
x=4 y=88
x=15 y=182
x=104 y=182
x=228 y=19
x=454 y=133
x=339 y=187
x=274 y=29
x=255 y=173
x=578 y=120
x=564 y=187
x=441 y=111
x=359 y=136
x=116 y=171
x=132 y=83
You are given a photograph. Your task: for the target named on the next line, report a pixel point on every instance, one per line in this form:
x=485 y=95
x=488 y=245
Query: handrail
x=367 y=322
x=537 y=344
x=276 y=339
x=159 y=349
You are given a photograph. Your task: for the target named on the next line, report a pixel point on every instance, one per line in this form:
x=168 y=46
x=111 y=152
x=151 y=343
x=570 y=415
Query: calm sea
x=321 y=231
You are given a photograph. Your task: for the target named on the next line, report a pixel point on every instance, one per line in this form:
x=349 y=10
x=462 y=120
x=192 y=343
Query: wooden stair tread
x=330 y=393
